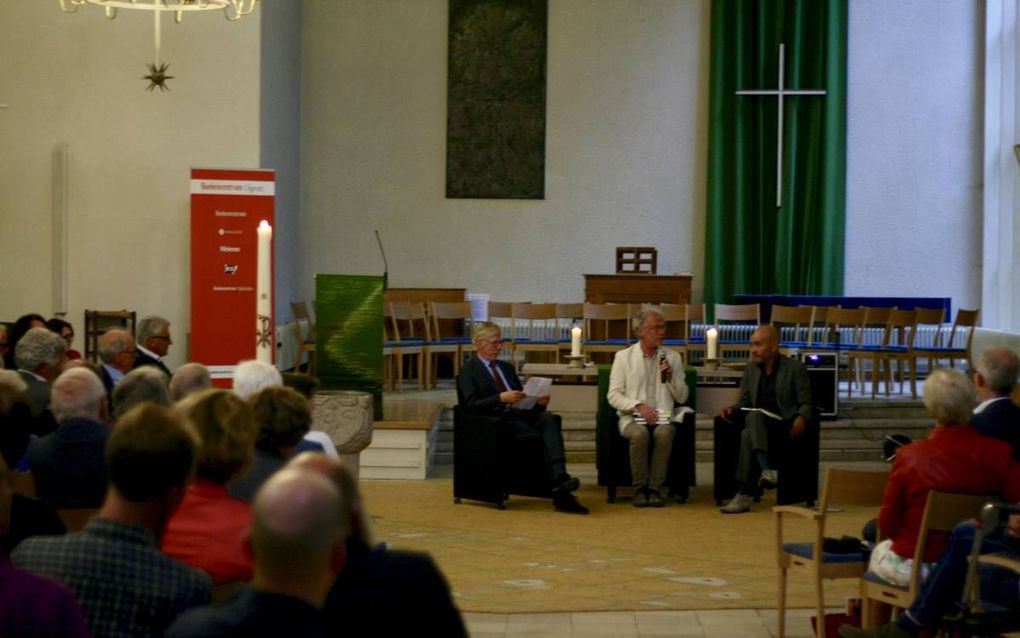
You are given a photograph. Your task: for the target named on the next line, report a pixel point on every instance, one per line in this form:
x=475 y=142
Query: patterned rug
x=529 y=558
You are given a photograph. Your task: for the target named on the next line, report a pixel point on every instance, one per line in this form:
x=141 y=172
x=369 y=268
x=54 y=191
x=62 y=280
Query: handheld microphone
x=662 y=358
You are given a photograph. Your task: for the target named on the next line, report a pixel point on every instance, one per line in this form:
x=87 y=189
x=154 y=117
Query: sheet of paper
x=534 y=388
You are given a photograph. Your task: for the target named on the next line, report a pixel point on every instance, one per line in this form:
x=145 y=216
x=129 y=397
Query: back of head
x=296 y=525
x=283 y=417
x=252 y=376
x=141 y=385
x=188 y=379
x=77 y=393
x=39 y=347
x=1000 y=368
x=226 y=428
x=149 y=453
x=949 y=397
x=113 y=342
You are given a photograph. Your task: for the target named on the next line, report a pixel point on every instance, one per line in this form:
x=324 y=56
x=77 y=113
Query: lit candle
x=712 y=338
x=264 y=295
x=575 y=341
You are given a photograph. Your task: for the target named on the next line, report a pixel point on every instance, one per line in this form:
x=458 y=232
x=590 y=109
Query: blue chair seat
x=872 y=577
x=806 y=550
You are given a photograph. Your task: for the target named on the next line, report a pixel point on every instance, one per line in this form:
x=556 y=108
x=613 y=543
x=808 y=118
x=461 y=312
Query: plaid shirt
x=125 y=586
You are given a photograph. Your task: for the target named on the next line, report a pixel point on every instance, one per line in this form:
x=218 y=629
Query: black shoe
x=565 y=502
x=566 y=484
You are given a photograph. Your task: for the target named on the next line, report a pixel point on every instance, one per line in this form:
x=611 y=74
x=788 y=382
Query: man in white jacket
x=645 y=386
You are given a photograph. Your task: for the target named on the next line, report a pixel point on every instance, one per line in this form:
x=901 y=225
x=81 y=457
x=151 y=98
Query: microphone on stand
x=662 y=358
x=386 y=266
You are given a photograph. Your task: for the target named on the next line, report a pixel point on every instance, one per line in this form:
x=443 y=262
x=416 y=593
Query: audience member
x=28 y=516
x=23 y=324
x=66 y=332
x=954 y=458
x=283 y=419
x=68 y=464
x=647 y=379
x=16 y=422
x=39 y=356
x=153 y=342
x=141 y=385
x=251 y=376
x=31 y=606
x=779 y=385
x=488 y=387
x=297 y=544
x=124 y=584
x=207 y=529
x=117 y=353
x=994 y=379
x=189 y=379
x=315 y=440
x=376 y=580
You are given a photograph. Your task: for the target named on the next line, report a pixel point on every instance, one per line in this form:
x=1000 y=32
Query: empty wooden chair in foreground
x=843 y=487
x=941 y=513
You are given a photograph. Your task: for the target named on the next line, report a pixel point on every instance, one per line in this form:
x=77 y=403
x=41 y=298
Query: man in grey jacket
x=775 y=392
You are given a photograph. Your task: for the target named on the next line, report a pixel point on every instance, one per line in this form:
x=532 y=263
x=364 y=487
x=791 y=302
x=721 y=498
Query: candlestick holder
x=711 y=364
x=576 y=360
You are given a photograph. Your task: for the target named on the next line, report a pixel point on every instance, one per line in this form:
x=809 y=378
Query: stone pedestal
x=346 y=417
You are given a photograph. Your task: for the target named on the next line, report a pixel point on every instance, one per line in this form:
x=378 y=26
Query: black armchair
x=489 y=464
x=795 y=459
x=612 y=454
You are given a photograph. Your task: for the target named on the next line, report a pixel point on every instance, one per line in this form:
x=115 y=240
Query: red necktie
x=498 y=377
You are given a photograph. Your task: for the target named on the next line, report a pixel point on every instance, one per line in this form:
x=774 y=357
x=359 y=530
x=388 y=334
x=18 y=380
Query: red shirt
x=956 y=459
x=206 y=532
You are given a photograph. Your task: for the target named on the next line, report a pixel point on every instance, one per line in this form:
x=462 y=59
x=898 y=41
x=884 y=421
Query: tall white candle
x=264 y=295
x=575 y=341
x=712 y=339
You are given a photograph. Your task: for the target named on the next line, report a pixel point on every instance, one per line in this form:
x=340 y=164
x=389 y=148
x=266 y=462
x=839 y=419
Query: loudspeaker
x=823 y=372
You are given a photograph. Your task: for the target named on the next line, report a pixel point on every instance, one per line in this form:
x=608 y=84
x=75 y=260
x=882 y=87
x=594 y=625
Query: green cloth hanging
x=753 y=247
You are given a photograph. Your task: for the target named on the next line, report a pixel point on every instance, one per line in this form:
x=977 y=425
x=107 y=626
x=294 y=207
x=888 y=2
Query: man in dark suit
x=994 y=379
x=68 y=465
x=489 y=387
x=153 y=342
x=39 y=355
x=772 y=386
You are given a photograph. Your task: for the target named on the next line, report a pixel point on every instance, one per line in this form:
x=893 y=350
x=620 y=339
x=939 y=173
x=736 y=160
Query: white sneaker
x=769 y=479
x=741 y=503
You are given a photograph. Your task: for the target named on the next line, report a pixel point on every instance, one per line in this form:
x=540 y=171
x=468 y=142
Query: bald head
x=296 y=527
x=999 y=367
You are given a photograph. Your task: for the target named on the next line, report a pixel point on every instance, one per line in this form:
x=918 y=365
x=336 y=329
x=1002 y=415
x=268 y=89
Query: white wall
x=75 y=78
x=626 y=114
x=914 y=149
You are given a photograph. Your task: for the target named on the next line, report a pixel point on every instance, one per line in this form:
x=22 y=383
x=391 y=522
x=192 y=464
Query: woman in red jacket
x=954 y=458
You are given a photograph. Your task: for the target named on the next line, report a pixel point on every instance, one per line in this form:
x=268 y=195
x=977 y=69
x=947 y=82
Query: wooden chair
x=606 y=327
x=447 y=339
x=304 y=335
x=873 y=335
x=842 y=487
x=736 y=323
x=567 y=314
x=75 y=518
x=534 y=328
x=794 y=326
x=941 y=514
x=410 y=332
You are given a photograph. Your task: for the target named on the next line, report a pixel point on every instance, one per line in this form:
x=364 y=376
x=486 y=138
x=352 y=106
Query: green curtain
x=752 y=247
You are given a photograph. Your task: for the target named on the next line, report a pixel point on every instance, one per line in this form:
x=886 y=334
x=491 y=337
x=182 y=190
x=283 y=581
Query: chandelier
x=157 y=76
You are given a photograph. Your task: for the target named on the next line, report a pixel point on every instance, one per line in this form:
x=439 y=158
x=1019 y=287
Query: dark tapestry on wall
x=495 y=120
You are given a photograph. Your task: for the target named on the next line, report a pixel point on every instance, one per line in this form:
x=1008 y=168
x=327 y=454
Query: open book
x=771 y=415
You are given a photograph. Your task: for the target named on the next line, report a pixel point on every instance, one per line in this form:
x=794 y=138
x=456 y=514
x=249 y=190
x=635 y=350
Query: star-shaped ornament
x=157 y=77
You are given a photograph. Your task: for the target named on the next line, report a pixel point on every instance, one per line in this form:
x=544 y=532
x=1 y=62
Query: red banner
x=226 y=209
